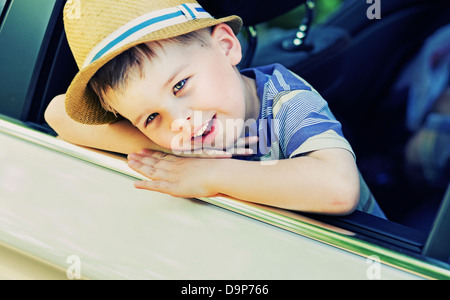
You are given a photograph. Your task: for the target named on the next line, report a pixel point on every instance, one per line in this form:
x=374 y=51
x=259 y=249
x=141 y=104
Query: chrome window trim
x=333 y=236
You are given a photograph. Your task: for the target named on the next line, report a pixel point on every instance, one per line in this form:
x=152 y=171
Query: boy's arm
x=325 y=181
x=120 y=137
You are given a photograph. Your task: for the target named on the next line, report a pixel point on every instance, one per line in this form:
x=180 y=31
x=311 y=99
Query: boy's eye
x=150 y=118
x=179 y=86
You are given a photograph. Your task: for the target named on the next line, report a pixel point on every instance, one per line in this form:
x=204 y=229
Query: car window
x=3 y=8
x=295 y=25
x=2 y=5
x=347 y=20
x=323 y=9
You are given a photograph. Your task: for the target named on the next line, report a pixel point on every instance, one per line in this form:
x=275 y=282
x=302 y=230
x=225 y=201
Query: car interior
x=350 y=59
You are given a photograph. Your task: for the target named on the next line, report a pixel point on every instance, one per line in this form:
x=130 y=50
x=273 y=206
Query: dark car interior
x=350 y=59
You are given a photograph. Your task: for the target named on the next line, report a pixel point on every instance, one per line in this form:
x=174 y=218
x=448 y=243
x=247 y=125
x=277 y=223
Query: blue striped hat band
x=145 y=25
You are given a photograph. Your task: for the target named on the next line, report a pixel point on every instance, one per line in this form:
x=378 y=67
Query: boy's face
x=191 y=97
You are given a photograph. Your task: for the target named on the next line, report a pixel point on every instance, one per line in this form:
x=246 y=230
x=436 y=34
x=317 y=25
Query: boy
x=163 y=76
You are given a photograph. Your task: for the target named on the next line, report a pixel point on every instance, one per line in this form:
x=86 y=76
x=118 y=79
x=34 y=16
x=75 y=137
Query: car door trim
x=304 y=226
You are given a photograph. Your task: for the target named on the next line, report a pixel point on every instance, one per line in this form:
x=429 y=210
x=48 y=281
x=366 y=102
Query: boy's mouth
x=207 y=132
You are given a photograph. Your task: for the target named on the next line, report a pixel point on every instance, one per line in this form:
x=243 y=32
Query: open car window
x=2 y=6
x=47 y=68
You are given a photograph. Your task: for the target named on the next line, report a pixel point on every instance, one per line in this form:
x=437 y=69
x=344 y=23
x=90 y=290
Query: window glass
x=323 y=10
x=2 y=10
x=2 y=4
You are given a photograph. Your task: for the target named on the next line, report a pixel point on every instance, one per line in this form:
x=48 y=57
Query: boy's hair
x=116 y=73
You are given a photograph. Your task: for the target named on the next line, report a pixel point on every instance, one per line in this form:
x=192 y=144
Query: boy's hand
x=174 y=175
x=241 y=148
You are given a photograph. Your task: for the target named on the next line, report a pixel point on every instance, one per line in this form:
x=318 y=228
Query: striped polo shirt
x=295 y=120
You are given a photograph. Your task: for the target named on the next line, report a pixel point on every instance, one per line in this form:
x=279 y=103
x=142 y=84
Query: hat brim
x=83 y=105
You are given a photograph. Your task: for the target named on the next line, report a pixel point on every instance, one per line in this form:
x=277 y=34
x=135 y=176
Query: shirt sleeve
x=305 y=123
x=326 y=140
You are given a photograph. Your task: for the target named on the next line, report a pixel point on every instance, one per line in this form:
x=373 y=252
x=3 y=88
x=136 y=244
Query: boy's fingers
x=139 y=167
x=246 y=141
x=251 y=140
x=152 y=171
x=207 y=153
x=157 y=186
x=156 y=154
x=148 y=152
x=224 y=154
x=240 y=148
x=152 y=157
x=217 y=153
x=141 y=162
x=243 y=151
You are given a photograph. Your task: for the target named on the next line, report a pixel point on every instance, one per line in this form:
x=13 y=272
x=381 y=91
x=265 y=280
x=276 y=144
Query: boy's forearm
x=305 y=184
x=121 y=137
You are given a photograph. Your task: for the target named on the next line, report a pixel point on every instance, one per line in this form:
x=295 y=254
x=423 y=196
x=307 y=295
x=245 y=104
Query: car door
x=72 y=212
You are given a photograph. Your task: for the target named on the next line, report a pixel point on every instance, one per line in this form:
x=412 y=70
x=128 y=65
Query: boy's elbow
x=348 y=203
x=56 y=117
x=346 y=200
x=55 y=111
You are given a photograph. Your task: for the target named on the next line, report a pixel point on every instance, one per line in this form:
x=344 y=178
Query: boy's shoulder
x=280 y=89
x=276 y=78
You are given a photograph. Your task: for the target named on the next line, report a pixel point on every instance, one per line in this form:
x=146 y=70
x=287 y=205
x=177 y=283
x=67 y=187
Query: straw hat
x=99 y=30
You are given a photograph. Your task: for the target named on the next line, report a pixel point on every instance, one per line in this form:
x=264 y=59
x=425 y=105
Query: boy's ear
x=225 y=38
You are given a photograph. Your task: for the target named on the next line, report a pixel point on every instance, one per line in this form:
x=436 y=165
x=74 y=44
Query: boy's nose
x=181 y=124
x=187 y=123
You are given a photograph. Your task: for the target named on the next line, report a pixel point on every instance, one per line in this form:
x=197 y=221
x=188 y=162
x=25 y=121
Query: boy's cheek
x=180 y=141
x=167 y=141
